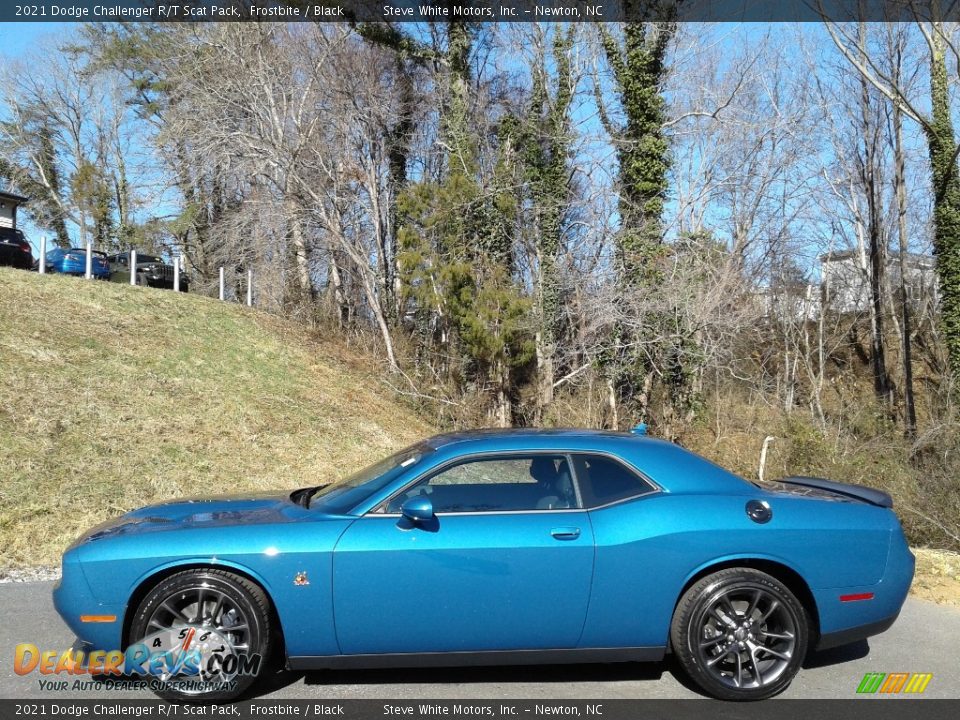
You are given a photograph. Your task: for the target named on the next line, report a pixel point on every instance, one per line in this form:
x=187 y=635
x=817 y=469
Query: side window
x=604 y=480
x=534 y=482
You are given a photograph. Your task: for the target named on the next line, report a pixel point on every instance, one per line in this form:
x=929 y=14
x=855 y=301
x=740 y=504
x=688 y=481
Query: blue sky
x=15 y=39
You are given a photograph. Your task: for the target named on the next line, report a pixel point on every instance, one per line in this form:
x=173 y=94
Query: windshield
x=10 y=234
x=342 y=496
x=148 y=259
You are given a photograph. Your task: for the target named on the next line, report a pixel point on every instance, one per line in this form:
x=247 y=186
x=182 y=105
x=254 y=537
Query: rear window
x=604 y=480
x=10 y=234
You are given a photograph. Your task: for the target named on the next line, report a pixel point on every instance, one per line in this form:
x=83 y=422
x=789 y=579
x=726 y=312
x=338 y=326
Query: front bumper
x=87 y=617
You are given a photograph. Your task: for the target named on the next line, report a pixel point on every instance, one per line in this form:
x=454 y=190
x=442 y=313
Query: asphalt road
x=924 y=639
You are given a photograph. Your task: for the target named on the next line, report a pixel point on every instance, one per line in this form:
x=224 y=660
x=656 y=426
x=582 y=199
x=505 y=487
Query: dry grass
x=860 y=446
x=113 y=397
x=938 y=576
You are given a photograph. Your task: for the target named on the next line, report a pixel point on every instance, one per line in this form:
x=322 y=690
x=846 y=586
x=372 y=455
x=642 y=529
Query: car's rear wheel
x=740 y=634
x=207 y=633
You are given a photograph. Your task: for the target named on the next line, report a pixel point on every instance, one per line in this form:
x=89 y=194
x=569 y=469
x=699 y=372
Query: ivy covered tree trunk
x=946 y=203
x=643 y=154
x=546 y=148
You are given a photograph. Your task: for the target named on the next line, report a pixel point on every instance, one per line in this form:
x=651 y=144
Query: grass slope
x=112 y=397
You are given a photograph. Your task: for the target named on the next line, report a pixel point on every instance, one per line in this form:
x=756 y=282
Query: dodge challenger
x=492 y=547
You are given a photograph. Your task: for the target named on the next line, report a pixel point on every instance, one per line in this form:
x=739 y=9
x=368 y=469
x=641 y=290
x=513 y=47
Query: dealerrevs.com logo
x=190 y=659
x=894 y=683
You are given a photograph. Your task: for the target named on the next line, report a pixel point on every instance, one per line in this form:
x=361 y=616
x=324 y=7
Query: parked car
x=73 y=261
x=498 y=547
x=15 y=251
x=151 y=270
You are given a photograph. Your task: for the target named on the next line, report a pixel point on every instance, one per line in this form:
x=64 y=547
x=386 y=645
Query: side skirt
x=485 y=657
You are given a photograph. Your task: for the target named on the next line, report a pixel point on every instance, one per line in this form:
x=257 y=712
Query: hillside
x=113 y=397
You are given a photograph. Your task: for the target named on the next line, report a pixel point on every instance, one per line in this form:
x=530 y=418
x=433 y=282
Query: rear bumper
x=848 y=614
x=79 y=267
x=15 y=257
x=852 y=635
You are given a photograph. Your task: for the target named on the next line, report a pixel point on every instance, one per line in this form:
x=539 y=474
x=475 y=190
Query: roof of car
x=438 y=441
x=668 y=464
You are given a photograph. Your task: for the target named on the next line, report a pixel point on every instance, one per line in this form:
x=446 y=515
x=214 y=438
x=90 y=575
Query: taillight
x=25 y=246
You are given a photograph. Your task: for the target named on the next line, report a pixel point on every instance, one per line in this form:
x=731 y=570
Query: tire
x=735 y=626
x=142 y=281
x=228 y=608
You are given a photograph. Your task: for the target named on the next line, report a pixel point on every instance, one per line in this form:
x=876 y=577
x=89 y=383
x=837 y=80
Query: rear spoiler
x=859 y=492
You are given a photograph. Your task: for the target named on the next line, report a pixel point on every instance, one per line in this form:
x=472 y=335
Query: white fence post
x=221 y=282
x=249 y=288
x=88 y=274
x=176 y=273
x=763 y=456
x=133 y=267
x=42 y=267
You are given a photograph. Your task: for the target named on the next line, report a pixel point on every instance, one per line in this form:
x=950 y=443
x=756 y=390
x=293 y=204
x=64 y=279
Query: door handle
x=566 y=533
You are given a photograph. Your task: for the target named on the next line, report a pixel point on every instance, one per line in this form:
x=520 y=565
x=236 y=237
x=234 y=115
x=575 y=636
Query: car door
x=505 y=564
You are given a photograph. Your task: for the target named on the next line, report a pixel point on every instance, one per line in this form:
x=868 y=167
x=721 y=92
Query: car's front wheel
x=740 y=634
x=202 y=635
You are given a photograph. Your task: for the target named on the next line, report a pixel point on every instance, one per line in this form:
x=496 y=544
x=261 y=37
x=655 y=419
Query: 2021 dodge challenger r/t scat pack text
x=493 y=547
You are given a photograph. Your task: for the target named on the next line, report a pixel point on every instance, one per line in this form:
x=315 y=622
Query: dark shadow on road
x=673 y=665
x=501 y=674
x=272 y=682
x=837 y=655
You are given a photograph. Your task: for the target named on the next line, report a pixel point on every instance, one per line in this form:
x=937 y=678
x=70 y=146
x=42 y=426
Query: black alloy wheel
x=216 y=614
x=740 y=634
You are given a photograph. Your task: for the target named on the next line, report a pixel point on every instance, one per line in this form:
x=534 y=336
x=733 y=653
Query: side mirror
x=417 y=509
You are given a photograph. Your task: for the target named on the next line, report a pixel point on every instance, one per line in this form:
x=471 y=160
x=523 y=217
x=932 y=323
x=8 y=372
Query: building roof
x=840 y=255
x=12 y=197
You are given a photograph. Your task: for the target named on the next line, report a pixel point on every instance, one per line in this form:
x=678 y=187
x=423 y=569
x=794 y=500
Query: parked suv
x=151 y=270
x=14 y=249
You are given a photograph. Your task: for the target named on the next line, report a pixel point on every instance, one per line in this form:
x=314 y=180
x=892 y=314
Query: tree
x=58 y=141
x=943 y=151
x=895 y=47
x=638 y=67
x=545 y=139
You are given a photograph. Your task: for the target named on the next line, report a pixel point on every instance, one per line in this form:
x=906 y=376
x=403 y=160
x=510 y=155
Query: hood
x=259 y=509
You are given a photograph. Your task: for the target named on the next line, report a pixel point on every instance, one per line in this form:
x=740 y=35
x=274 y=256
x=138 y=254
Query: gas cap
x=759 y=511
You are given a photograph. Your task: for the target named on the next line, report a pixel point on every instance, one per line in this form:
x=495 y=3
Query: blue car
x=493 y=547
x=73 y=261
